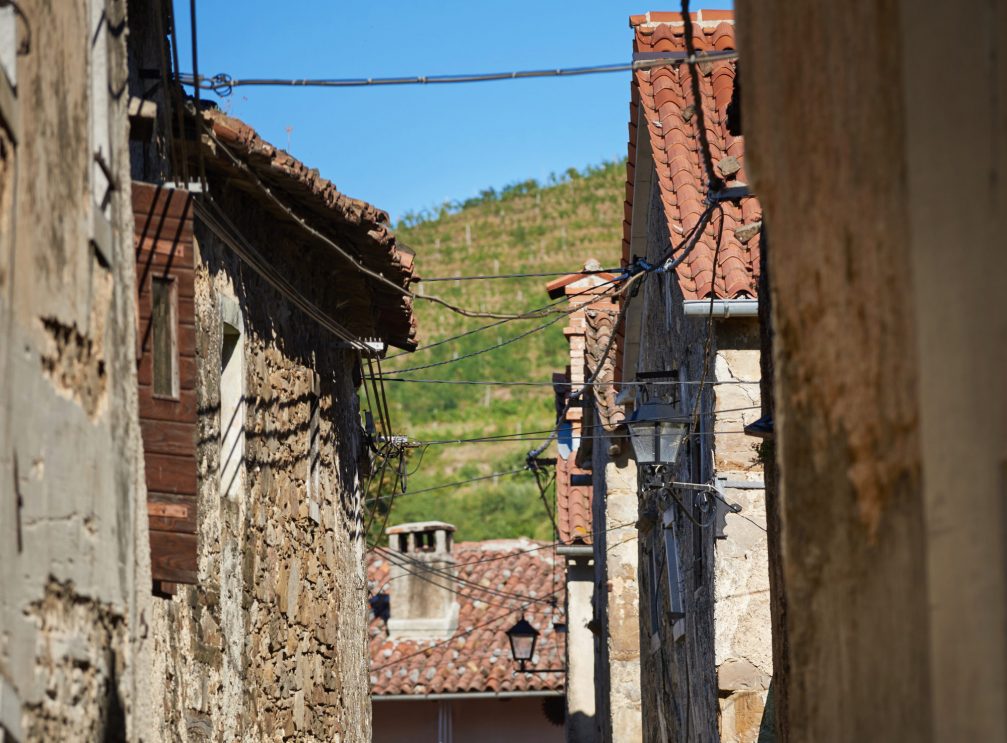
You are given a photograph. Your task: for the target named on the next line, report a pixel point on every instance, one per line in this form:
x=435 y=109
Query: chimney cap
x=420 y=526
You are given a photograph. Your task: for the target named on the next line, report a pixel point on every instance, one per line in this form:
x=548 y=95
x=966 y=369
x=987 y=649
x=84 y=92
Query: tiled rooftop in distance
x=480 y=660
x=664 y=96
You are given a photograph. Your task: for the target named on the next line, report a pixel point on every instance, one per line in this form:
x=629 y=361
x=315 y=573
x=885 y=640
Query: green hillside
x=527 y=227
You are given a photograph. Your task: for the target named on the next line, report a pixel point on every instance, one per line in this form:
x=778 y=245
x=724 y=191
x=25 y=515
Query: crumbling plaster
x=73 y=552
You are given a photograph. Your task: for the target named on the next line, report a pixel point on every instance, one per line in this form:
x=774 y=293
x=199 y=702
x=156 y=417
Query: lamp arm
x=735 y=508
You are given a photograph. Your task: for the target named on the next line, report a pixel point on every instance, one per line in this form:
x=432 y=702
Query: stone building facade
x=690 y=339
x=890 y=594
x=74 y=581
x=252 y=624
x=270 y=638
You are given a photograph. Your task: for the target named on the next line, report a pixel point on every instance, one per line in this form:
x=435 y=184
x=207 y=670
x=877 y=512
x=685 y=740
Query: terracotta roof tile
x=480 y=660
x=665 y=95
x=356 y=225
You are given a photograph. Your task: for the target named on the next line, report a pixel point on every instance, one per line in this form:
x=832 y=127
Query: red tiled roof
x=665 y=97
x=480 y=660
x=371 y=308
x=573 y=502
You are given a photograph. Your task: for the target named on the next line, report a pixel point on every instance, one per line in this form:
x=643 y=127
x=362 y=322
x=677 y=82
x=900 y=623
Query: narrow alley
x=640 y=381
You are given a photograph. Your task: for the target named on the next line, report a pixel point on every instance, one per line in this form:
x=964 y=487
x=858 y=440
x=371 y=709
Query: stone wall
x=74 y=567
x=741 y=571
x=881 y=171
x=271 y=643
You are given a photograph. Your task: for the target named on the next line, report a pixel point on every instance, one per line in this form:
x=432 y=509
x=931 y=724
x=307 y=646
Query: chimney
x=421 y=585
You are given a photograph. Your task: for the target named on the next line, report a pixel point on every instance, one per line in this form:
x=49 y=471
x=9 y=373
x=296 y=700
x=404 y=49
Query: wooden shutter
x=166 y=345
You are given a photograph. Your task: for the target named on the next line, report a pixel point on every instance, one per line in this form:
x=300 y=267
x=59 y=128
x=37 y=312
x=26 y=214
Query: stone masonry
x=271 y=644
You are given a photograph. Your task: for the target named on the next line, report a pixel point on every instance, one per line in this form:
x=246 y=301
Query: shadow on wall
x=272 y=427
x=582 y=727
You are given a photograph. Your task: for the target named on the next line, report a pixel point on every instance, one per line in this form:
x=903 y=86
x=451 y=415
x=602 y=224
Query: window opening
x=164 y=350
x=312 y=479
x=232 y=415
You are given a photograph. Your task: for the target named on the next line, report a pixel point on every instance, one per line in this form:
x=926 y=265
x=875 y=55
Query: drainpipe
x=722 y=307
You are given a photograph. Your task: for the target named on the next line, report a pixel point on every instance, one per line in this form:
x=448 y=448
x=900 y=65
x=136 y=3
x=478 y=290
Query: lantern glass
x=656 y=431
x=522 y=638
x=670 y=437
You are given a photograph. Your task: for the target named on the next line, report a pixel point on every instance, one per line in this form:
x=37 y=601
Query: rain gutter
x=722 y=307
x=460 y=696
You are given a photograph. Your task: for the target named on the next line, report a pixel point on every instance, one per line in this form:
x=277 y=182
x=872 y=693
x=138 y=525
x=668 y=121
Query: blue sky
x=409 y=148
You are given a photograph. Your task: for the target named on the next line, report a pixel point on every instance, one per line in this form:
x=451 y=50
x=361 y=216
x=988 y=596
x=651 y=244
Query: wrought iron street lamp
x=656 y=431
x=523 y=637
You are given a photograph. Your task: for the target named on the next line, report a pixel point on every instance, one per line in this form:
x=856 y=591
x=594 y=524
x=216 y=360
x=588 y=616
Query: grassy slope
x=525 y=228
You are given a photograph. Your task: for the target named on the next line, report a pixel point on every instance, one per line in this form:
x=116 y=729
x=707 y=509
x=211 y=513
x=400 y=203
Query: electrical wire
x=713 y=181
x=455 y=591
x=357 y=263
x=182 y=145
x=455 y=636
x=722 y=499
x=401 y=559
x=542 y=489
x=507 y=436
x=223 y=84
x=220 y=224
x=514 y=383
x=507 y=342
x=506 y=320
x=688 y=515
x=459 y=483
x=547 y=545
x=494 y=347
x=532 y=437
x=708 y=341
x=494 y=277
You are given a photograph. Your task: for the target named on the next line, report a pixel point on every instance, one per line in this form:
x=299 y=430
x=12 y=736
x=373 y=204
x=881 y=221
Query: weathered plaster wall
x=74 y=567
x=622 y=584
x=581 y=722
x=616 y=590
x=271 y=643
x=881 y=170
x=741 y=565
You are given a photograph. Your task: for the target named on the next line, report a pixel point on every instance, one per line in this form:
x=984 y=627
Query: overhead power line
x=537 y=312
x=223 y=84
x=601 y=296
x=492 y=277
x=576 y=385
x=424 y=570
x=356 y=262
x=457 y=484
